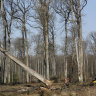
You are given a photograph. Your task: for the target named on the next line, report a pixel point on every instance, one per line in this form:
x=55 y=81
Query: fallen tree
x=26 y=68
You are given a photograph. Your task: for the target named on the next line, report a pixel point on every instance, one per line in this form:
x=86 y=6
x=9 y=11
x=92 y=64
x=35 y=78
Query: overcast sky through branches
x=89 y=20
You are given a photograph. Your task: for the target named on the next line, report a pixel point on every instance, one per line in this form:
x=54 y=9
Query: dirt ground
x=39 y=89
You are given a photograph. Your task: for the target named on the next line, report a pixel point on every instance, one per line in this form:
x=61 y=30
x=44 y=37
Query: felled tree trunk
x=31 y=71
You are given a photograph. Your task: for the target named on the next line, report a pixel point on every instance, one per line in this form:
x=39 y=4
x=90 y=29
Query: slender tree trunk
x=22 y=72
x=27 y=62
x=80 y=51
x=44 y=56
x=4 y=30
x=84 y=66
x=42 y=66
x=26 y=48
x=8 y=65
x=47 y=52
x=87 y=67
x=66 y=49
x=74 y=37
x=9 y=61
x=0 y=66
x=46 y=17
x=53 y=56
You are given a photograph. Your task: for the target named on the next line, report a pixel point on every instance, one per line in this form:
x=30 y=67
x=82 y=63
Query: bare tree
x=42 y=9
x=23 y=15
x=10 y=13
x=3 y=14
x=52 y=43
x=63 y=9
x=78 y=7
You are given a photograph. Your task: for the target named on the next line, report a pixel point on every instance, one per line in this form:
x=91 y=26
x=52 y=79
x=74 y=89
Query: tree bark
x=26 y=48
x=80 y=51
x=4 y=30
x=53 y=55
x=9 y=61
x=74 y=43
x=46 y=35
x=66 y=49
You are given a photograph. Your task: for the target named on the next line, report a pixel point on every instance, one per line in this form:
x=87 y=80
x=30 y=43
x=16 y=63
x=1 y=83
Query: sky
x=89 y=18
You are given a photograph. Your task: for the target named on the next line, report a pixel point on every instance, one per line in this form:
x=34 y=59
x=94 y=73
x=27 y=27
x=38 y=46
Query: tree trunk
x=47 y=53
x=31 y=71
x=0 y=66
x=26 y=48
x=46 y=17
x=80 y=51
x=66 y=49
x=53 y=55
x=74 y=43
x=4 y=30
x=9 y=61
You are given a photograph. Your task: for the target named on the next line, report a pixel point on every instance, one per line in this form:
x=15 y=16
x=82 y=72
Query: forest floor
x=39 y=89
